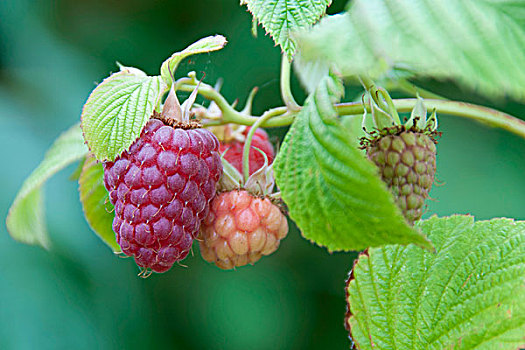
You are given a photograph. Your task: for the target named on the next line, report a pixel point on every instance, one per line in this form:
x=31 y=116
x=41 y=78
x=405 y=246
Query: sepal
x=418 y=116
x=231 y=178
x=260 y=183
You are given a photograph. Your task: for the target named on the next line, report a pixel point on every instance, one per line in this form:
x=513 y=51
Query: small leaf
x=98 y=210
x=478 y=43
x=25 y=221
x=470 y=294
x=280 y=17
x=118 y=109
x=333 y=193
x=208 y=44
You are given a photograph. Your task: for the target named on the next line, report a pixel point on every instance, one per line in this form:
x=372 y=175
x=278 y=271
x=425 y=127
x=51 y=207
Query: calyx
x=260 y=183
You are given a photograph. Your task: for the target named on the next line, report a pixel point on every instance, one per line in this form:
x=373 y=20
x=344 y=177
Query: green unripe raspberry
x=407 y=164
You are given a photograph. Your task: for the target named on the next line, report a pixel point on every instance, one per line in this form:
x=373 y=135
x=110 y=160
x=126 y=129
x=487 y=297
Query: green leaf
x=470 y=294
x=76 y=173
x=118 y=109
x=478 y=43
x=25 y=220
x=310 y=73
x=281 y=17
x=208 y=44
x=333 y=192
x=98 y=210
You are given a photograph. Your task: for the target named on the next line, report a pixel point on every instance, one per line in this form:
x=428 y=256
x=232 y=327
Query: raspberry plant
x=353 y=175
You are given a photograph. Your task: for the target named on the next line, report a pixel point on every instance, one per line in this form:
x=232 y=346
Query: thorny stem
x=248 y=143
x=286 y=91
x=280 y=116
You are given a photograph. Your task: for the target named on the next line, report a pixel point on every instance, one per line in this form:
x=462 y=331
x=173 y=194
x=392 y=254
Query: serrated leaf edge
x=289 y=41
x=125 y=71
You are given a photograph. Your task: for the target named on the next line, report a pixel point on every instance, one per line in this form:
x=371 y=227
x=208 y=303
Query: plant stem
x=248 y=143
x=229 y=114
x=281 y=116
x=481 y=114
x=485 y=115
x=286 y=91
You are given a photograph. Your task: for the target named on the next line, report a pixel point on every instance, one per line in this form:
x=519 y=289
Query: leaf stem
x=248 y=143
x=286 y=91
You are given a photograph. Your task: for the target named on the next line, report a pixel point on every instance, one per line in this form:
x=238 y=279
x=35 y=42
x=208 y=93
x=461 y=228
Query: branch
x=281 y=116
x=485 y=115
x=229 y=114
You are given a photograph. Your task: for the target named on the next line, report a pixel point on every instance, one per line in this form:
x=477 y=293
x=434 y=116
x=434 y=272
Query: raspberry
x=240 y=228
x=235 y=148
x=407 y=164
x=161 y=189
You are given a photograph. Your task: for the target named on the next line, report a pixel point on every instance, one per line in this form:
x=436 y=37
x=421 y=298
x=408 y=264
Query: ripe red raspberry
x=240 y=228
x=235 y=148
x=161 y=189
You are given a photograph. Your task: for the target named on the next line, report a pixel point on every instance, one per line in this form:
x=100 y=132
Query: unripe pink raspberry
x=161 y=189
x=240 y=228
x=234 y=149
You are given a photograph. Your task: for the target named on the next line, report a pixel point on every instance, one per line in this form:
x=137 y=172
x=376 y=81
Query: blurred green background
x=79 y=295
